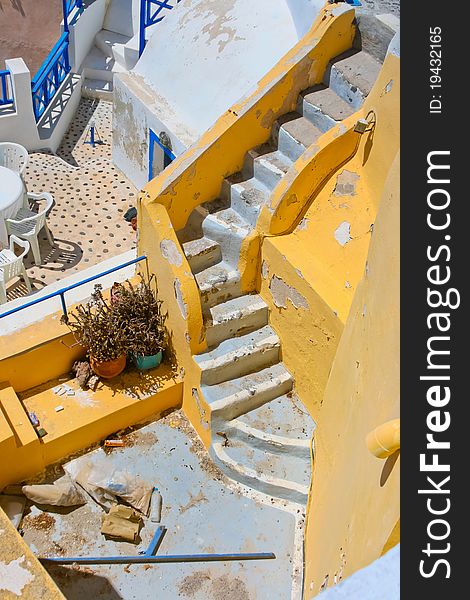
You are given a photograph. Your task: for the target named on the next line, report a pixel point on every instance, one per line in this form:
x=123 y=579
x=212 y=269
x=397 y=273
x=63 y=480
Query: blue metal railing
x=50 y=76
x=68 y=7
x=150 y=14
x=62 y=291
x=5 y=97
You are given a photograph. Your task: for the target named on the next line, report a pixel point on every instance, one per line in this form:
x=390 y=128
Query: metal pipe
x=144 y=559
x=148 y=557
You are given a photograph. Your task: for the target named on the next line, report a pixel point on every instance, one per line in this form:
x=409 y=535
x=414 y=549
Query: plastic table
x=11 y=199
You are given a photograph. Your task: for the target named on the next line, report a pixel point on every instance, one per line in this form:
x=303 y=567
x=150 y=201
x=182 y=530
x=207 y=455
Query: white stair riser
x=205 y=259
x=101 y=74
x=316 y=116
x=339 y=84
x=229 y=239
x=249 y=212
x=267 y=173
x=237 y=405
x=289 y=146
x=255 y=360
x=272 y=487
x=236 y=326
x=273 y=444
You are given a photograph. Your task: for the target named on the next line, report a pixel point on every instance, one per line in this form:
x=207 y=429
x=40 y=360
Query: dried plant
x=95 y=327
x=132 y=322
x=139 y=313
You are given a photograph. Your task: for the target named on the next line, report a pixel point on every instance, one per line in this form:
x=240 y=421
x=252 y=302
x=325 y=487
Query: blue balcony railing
x=50 y=76
x=68 y=7
x=6 y=95
x=61 y=293
x=151 y=13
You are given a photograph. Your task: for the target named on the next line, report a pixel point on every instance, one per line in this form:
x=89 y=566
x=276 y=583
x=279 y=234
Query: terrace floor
x=203 y=511
x=91 y=196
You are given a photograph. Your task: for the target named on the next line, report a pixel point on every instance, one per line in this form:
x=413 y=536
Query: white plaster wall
x=304 y=13
x=201 y=59
x=381 y=579
x=20 y=126
x=207 y=54
x=134 y=113
x=122 y=17
x=83 y=31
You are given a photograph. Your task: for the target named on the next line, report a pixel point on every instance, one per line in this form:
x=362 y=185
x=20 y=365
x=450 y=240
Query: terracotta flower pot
x=109 y=368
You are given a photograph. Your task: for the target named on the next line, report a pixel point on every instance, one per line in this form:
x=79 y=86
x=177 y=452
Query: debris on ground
x=121 y=523
x=113 y=443
x=156 y=506
x=84 y=375
x=42 y=522
x=82 y=371
x=62 y=492
x=106 y=485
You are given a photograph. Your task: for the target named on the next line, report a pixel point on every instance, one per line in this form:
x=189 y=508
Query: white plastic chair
x=12 y=266
x=14 y=157
x=27 y=224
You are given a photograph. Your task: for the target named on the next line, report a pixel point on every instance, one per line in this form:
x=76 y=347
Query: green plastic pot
x=143 y=363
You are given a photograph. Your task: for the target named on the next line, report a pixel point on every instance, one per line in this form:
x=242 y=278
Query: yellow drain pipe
x=384 y=440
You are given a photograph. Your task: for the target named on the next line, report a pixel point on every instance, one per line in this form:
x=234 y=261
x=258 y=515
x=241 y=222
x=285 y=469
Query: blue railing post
x=143 y=6
x=65 y=9
x=4 y=95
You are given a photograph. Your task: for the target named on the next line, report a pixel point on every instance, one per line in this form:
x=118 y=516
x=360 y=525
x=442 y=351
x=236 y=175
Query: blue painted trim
x=62 y=291
x=149 y=18
x=149 y=556
x=50 y=76
x=64 y=38
x=153 y=138
x=4 y=97
x=353 y=2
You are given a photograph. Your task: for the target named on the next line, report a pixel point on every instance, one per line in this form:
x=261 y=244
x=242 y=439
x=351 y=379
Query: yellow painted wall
x=307 y=326
x=354 y=499
x=310 y=260
x=178 y=290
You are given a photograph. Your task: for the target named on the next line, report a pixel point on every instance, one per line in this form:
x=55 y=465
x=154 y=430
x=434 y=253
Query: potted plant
x=139 y=313
x=95 y=326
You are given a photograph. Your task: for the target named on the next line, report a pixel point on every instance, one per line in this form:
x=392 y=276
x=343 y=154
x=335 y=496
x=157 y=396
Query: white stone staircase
x=260 y=430
x=115 y=50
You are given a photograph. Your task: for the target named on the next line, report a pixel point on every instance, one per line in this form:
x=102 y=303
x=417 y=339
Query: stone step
x=97 y=88
x=98 y=65
x=323 y=107
x=294 y=134
x=235 y=317
x=229 y=229
x=233 y=398
x=280 y=476
x=112 y=45
x=281 y=425
x=218 y=284
x=247 y=199
x=352 y=75
x=239 y=356
x=202 y=254
x=252 y=155
x=270 y=168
